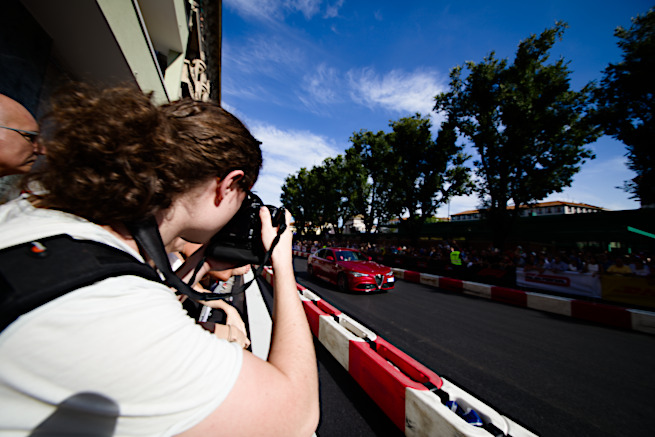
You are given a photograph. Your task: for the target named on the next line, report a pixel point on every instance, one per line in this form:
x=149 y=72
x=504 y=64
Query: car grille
x=379 y=279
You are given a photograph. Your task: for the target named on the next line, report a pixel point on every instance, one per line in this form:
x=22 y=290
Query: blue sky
x=304 y=75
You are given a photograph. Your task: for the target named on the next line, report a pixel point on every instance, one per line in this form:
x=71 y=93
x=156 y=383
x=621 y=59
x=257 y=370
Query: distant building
x=354 y=225
x=539 y=209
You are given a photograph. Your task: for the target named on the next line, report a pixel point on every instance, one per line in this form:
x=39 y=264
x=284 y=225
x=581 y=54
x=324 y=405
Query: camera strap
x=257 y=272
x=147 y=236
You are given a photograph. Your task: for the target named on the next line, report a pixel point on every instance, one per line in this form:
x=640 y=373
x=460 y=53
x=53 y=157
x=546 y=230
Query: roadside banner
x=629 y=289
x=574 y=283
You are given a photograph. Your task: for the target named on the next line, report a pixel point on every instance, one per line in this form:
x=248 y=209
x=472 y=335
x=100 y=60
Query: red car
x=350 y=270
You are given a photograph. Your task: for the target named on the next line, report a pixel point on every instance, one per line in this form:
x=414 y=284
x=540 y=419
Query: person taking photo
x=115 y=158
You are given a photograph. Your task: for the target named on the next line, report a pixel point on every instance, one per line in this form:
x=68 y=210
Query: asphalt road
x=555 y=375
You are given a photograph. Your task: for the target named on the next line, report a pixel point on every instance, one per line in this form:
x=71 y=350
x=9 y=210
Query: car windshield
x=347 y=255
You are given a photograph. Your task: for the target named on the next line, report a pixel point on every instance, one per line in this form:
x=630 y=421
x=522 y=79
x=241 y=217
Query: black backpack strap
x=36 y=272
x=147 y=236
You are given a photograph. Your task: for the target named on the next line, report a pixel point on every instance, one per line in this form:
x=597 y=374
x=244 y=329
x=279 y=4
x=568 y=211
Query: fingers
x=265 y=216
x=240 y=337
x=232 y=334
x=268 y=232
x=241 y=270
x=266 y=219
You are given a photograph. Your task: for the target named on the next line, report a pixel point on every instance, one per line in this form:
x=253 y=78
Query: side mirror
x=330 y=258
x=370 y=258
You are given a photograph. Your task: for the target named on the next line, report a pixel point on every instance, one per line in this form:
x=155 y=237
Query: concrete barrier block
x=417 y=375
x=450 y=284
x=309 y=294
x=356 y=328
x=466 y=400
x=427 y=279
x=509 y=295
x=426 y=416
x=601 y=313
x=327 y=308
x=313 y=314
x=412 y=276
x=551 y=304
x=477 y=289
x=336 y=339
x=381 y=380
x=643 y=321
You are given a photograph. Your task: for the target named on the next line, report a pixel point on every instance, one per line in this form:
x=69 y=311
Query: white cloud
x=397 y=90
x=272 y=10
x=250 y=91
x=262 y=10
x=332 y=10
x=308 y=8
x=286 y=152
x=322 y=87
x=263 y=55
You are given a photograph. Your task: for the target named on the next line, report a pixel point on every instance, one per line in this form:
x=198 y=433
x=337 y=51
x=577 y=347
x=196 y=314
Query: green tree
x=322 y=199
x=409 y=173
x=372 y=153
x=355 y=188
x=427 y=173
x=528 y=127
x=331 y=189
x=626 y=103
x=297 y=196
x=327 y=195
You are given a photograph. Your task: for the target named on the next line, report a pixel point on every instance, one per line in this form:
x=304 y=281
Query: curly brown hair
x=114 y=156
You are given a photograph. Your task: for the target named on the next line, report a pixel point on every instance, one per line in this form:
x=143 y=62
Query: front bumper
x=372 y=283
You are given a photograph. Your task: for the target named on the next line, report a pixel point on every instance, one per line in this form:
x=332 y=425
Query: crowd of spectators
x=494 y=262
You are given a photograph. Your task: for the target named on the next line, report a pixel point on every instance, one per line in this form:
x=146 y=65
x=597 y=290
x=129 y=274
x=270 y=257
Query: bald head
x=18 y=151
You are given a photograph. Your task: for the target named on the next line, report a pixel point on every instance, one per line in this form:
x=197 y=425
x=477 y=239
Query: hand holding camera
x=240 y=240
x=276 y=233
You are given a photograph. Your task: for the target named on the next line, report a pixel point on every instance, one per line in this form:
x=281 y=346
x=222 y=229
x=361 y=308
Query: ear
x=227 y=184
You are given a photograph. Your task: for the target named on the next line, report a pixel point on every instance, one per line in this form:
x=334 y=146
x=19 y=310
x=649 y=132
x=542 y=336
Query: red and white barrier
x=409 y=393
x=602 y=313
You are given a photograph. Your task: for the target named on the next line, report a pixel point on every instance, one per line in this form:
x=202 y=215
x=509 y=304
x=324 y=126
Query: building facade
x=539 y=209
x=158 y=45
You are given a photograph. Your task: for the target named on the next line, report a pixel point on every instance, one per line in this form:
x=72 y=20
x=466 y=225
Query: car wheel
x=342 y=282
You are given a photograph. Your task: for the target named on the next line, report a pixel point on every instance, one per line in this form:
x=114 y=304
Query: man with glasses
x=19 y=147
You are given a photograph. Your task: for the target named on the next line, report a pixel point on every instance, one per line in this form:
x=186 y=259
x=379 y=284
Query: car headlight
x=389 y=274
x=357 y=274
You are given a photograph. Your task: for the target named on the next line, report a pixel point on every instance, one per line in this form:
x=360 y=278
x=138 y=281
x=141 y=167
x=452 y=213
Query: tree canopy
x=383 y=175
x=528 y=127
x=626 y=103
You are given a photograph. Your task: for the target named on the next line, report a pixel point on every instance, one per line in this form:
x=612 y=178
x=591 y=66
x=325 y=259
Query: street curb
x=596 y=312
x=601 y=313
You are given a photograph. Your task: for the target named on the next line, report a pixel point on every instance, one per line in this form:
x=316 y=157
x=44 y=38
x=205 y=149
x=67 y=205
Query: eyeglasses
x=27 y=134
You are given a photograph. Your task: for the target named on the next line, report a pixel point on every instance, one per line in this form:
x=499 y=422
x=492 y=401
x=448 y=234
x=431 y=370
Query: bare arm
x=278 y=396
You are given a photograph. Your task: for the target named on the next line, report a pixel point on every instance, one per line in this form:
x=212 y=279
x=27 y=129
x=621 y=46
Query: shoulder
x=21 y=222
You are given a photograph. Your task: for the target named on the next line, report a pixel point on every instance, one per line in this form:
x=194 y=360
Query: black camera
x=240 y=240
